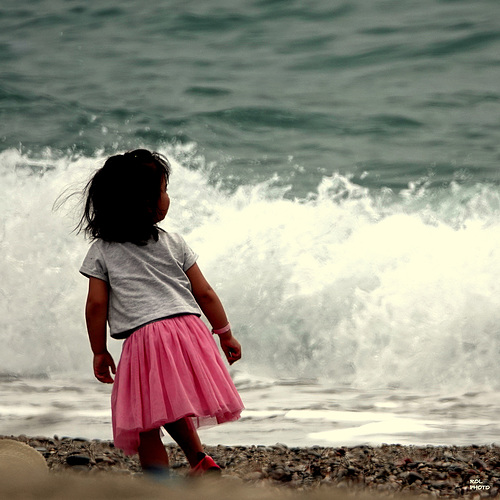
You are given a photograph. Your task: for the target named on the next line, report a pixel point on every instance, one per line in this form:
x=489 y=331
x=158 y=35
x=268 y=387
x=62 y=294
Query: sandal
x=205 y=465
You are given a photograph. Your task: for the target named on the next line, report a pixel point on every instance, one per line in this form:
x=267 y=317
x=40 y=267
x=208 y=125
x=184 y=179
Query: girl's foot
x=205 y=465
x=157 y=473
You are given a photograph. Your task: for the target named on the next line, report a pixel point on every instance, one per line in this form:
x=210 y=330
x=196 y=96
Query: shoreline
x=443 y=471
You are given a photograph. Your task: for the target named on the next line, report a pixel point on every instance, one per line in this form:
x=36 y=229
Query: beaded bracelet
x=220 y=331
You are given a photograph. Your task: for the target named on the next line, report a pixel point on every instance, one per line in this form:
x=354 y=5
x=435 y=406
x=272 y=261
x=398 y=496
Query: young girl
x=145 y=283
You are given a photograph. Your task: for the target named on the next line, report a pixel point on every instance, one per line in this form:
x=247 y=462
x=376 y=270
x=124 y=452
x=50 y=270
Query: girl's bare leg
x=185 y=435
x=152 y=453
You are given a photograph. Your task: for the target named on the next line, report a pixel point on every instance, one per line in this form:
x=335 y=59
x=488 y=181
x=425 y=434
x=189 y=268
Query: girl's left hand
x=231 y=347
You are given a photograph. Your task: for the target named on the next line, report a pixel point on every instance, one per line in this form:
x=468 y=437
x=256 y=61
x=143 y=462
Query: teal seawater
x=387 y=92
x=335 y=166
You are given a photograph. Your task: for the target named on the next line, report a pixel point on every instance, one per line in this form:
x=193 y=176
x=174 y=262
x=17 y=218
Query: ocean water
x=335 y=165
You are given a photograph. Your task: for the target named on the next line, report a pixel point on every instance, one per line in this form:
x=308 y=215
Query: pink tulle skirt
x=168 y=370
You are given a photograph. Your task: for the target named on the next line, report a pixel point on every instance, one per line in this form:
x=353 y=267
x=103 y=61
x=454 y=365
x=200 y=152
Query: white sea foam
x=403 y=430
x=372 y=289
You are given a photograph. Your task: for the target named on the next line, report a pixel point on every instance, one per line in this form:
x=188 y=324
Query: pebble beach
x=316 y=472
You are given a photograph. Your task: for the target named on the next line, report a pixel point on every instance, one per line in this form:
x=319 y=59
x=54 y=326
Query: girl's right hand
x=103 y=362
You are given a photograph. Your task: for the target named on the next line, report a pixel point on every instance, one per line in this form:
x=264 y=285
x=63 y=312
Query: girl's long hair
x=121 y=199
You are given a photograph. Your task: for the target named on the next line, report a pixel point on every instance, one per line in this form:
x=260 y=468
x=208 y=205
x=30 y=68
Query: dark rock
x=479 y=464
x=74 y=460
x=316 y=470
x=413 y=476
x=351 y=471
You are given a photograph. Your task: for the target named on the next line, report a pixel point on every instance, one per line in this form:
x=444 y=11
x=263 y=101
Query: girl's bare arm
x=96 y=314
x=212 y=308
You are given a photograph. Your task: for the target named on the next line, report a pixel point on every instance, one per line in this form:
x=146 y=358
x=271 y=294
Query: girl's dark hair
x=122 y=198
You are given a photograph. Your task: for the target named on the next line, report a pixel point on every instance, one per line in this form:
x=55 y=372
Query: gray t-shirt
x=146 y=283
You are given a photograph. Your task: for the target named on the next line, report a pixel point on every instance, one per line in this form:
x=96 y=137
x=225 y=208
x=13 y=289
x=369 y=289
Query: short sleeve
x=190 y=257
x=93 y=265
